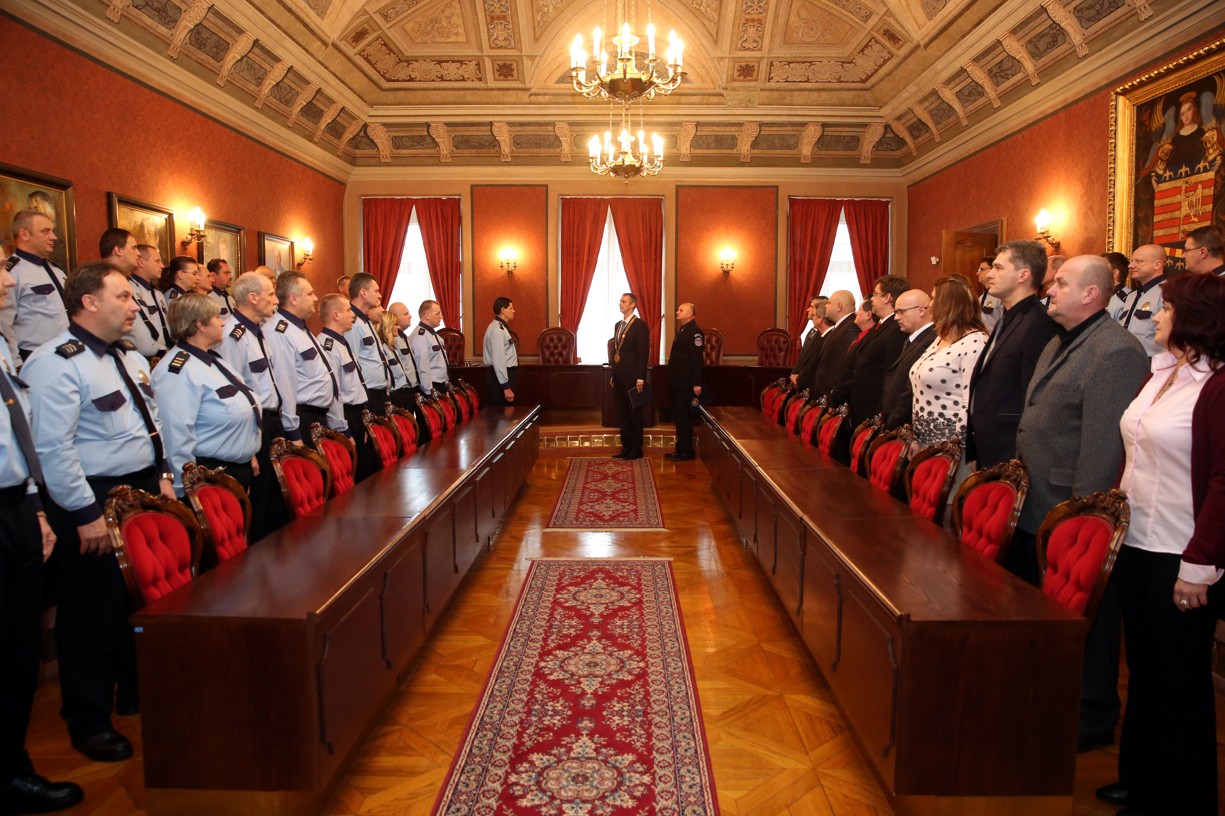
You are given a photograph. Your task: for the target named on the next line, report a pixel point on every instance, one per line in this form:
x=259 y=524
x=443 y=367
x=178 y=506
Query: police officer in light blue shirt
x=34 y=312
x=338 y=317
x=150 y=332
x=427 y=350
x=216 y=416
x=222 y=276
x=365 y=299
x=1137 y=309
x=404 y=397
x=95 y=427
x=500 y=353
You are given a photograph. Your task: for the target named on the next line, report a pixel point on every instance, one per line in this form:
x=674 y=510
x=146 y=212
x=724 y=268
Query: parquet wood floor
x=778 y=744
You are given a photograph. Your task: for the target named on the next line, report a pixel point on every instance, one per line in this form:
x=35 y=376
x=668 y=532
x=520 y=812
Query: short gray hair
x=24 y=220
x=186 y=311
x=248 y=283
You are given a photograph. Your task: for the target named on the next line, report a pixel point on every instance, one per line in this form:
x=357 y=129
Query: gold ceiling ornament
x=628 y=79
x=627 y=156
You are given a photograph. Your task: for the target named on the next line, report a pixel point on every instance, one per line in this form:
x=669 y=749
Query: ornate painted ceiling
x=773 y=83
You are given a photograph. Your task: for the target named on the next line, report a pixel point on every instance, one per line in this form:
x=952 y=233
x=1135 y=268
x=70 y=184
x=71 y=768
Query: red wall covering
x=85 y=123
x=744 y=219
x=516 y=218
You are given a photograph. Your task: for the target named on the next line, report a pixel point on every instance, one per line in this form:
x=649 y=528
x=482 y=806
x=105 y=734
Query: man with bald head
x=914 y=317
x=1137 y=310
x=839 y=311
x=1069 y=440
x=685 y=378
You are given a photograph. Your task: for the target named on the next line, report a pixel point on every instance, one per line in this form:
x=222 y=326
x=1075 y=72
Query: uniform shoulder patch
x=698 y=340
x=327 y=344
x=127 y=345
x=238 y=331
x=420 y=332
x=11 y=261
x=70 y=349
x=180 y=359
x=282 y=325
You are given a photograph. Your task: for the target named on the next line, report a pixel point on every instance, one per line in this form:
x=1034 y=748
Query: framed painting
x=151 y=223
x=24 y=190
x=225 y=241
x=276 y=252
x=1167 y=176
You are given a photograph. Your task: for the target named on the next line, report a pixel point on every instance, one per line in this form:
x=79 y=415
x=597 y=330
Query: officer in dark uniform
x=630 y=346
x=685 y=379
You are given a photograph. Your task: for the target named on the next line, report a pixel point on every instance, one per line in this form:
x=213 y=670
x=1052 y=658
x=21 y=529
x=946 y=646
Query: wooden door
x=963 y=250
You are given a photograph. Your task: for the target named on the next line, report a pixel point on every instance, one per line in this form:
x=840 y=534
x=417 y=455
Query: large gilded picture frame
x=22 y=189
x=227 y=242
x=1167 y=176
x=150 y=223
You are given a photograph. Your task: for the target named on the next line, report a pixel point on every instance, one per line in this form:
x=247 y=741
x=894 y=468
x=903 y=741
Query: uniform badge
x=327 y=344
x=420 y=332
x=127 y=345
x=142 y=377
x=69 y=349
x=176 y=365
x=238 y=331
x=282 y=326
x=697 y=340
x=1147 y=307
x=11 y=261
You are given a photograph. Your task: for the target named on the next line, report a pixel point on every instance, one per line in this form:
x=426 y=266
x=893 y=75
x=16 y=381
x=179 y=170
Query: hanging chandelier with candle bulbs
x=626 y=156
x=627 y=79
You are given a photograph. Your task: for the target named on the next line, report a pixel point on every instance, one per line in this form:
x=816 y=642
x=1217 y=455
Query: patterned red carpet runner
x=608 y=494
x=590 y=708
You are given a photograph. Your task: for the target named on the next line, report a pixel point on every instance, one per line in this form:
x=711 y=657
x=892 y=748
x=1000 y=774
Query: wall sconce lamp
x=195 y=235
x=727 y=261
x=308 y=253
x=508 y=260
x=1042 y=221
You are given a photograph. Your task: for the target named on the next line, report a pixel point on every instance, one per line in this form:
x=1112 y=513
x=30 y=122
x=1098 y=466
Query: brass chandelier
x=625 y=157
x=627 y=80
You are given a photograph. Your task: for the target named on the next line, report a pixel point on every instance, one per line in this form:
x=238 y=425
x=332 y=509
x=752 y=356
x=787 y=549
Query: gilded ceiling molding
x=977 y=74
x=238 y=50
x=871 y=135
x=562 y=131
x=921 y=113
x=904 y=133
x=325 y=120
x=753 y=25
x=275 y=75
x=684 y=140
x=950 y=98
x=440 y=134
x=808 y=140
x=349 y=133
x=1143 y=9
x=1016 y=49
x=188 y=20
x=501 y=132
x=744 y=141
x=860 y=68
x=1066 y=20
x=304 y=96
x=115 y=9
x=378 y=134
x=498 y=23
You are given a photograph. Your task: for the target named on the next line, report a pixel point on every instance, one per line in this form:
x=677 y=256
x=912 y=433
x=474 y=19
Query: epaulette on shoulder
x=70 y=349
x=238 y=331
x=420 y=332
x=180 y=359
x=127 y=345
x=327 y=344
x=10 y=262
x=282 y=326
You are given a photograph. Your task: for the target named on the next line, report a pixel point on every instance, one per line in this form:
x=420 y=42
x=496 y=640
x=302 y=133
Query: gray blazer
x=1069 y=433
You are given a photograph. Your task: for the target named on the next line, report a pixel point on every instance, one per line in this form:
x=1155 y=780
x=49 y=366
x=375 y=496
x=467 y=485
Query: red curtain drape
x=439 y=219
x=384 y=230
x=640 y=234
x=582 y=230
x=813 y=224
x=868 y=224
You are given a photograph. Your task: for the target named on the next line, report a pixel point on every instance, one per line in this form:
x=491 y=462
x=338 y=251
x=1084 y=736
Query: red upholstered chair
x=406 y=426
x=556 y=346
x=929 y=478
x=459 y=404
x=1077 y=546
x=222 y=509
x=474 y=396
x=156 y=540
x=796 y=404
x=712 y=347
x=987 y=507
x=827 y=431
x=304 y=476
x=861 y=439
x=453 y=344
x=772 y=397
x=435 y=419
x=774 y=348
x=810 y=420
x=341 y=455
x=385 y=435
x=887 y=457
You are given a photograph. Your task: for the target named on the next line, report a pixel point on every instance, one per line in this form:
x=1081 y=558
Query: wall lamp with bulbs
x=727 y=261
x=195 y=235
x=1042 y=222
x=508 y=261
x=308 y=253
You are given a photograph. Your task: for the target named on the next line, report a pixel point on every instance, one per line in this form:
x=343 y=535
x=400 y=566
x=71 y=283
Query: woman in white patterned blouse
x=940 y=379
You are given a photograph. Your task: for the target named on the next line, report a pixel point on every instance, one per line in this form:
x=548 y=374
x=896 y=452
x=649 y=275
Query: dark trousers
x=630 y=419
x=368 y=462
x=376 y=401
x=94 y=641
x=268 y=511
x=405 y=398
x=684 y=420
x=1168 y=751
x=21 y=568
x=1021 y=559
x=241 y=472
x=308 y=415
x=496 y=397
x=1099 y=683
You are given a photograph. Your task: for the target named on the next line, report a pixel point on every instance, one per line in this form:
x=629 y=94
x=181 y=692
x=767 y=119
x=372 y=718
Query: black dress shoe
x=1115 y=794
x=106 y=746
x=620 y=455
x=680 y=457
x=1090 y=742
x=634 y=455
x=33 y=794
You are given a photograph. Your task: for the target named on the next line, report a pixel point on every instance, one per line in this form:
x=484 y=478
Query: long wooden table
x=260 y=677
x=960 y=682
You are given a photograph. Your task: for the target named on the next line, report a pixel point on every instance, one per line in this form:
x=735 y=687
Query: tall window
x=600 y=312
x=841 y=274
x=413 y=283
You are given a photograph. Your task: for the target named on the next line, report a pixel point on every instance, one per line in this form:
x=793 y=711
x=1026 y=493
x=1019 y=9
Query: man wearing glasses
x=1204 y=251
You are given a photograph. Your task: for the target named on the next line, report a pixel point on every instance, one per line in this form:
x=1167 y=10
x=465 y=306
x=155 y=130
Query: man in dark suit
x=806 y=366
x=862 y=381
x=1068 y=438
x=1003 y=370
x=631 y=341
x=839 y=313
x=913 y=315
x=685 y=378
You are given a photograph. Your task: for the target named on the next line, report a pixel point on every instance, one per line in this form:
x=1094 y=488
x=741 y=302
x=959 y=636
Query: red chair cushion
x=225 y=520
x=408 y=433
x=386 y=444
x=828 y=432
x=1075 y=552
x=434 y=417
x=883 y=464
x=809 y=422
x=927 y=486
x=475 y=398
x=857 y=445
x=448 y=410
x=305 y=482
x=159 y=551
x=984 y=517
x=793 y=411
x=341 y=464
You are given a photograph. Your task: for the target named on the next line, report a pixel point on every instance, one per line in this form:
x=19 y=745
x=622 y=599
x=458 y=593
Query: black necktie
x=56 y=282
x=237 y=383
x=326 y=364
x=259 y=338
x=21 y=428
x=356 y=364
x=159 y=455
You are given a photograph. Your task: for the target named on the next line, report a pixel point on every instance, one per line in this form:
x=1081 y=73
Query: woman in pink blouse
x=1170 y=564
